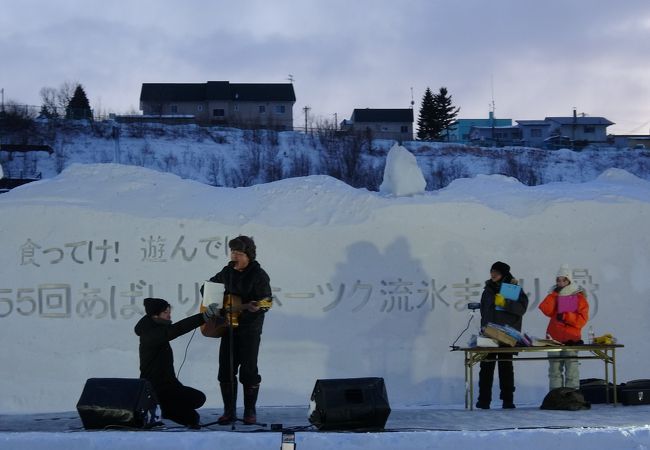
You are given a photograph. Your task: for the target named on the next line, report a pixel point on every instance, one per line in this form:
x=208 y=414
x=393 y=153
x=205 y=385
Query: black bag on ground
x=594 y=390
x=635 y=392
x=567 y=399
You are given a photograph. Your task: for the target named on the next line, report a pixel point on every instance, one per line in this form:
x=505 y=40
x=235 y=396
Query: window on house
x=589 y=129
x=261 y=109
x=173 y=109
x=236 y=108
x=536 y=132
x=404 y=129
x=199 y=108
x=218 y=112
x=280 y=109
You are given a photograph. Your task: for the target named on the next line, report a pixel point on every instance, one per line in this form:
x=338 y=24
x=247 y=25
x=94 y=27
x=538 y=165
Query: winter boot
x=229 y=396
x=507 y=384
x=485 y=379
x=250 y=399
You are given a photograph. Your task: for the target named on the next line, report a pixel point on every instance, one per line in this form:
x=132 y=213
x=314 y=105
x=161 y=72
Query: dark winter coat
x=512 y=312
x=250 y=284
x=156 y=356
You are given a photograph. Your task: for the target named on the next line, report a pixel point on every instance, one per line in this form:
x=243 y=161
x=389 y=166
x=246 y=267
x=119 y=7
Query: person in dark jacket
x=495 y=308
x=245 y=278
x=155 y=329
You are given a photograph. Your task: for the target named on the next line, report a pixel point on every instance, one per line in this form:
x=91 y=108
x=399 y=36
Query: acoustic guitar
x=232 y=308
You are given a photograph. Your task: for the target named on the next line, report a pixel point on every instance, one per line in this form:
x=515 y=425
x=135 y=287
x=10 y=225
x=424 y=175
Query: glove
x=557 y=289
x=605 y=339
x=499 y=300
x=212 y=311
x=560 y=317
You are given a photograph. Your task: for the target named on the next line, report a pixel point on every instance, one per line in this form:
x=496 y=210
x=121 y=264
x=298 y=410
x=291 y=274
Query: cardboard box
x=499 y=335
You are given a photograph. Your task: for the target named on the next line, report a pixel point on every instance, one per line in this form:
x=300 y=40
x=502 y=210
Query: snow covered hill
x=233 y=158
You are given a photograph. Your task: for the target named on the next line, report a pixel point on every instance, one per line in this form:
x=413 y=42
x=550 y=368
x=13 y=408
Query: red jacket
x=570 y=327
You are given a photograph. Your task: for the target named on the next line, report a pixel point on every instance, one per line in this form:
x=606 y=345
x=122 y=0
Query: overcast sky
x=539 y=58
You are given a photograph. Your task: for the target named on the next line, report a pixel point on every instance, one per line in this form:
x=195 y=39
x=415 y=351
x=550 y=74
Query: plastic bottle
x=590 y=335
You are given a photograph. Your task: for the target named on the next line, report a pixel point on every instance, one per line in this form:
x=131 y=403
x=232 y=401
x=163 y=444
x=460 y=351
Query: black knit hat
x=501 y=267
x=154 y=306
x=244 y=244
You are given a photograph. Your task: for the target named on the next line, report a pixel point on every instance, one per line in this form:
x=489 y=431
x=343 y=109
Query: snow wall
x=365 y=285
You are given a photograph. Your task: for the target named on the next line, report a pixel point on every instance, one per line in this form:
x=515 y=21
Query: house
x=254 y=105
x=533 y=132
x=460 y=128
x=580 y=130
x=495 y=136
x=570 y=132
x=633 y=141
x=394 y=124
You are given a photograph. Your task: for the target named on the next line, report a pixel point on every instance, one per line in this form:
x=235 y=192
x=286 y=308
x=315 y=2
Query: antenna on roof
x=412 y=102
x=290 y=78
x=306 y=110
x=492 y=105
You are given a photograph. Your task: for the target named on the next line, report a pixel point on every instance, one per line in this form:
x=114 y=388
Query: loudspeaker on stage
x=349 y=404
x=119 y=402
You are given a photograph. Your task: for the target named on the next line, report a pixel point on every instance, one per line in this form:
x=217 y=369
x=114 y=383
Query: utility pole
x=116 y=140
x=306 y=110
x=493 y=108
x=3 y=99
x=336 y=122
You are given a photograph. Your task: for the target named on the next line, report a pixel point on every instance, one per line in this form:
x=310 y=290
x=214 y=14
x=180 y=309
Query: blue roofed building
x=461 y=128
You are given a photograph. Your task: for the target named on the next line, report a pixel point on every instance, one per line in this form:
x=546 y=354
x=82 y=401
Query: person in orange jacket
x=568 y=309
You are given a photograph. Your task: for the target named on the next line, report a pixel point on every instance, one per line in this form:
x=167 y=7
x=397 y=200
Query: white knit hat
x=565 y=272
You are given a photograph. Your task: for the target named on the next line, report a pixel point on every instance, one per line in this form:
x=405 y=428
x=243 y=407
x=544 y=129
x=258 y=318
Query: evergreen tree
x=427 y=126
x=47 y=112
x=79 y=107
x=445 y=113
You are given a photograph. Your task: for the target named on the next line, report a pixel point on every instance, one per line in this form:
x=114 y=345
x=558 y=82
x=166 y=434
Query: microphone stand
x=231 y=351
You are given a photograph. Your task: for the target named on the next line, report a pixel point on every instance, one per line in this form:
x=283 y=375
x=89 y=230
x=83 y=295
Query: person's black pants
x=180 y=404
x=506 y=378
x=246 y=346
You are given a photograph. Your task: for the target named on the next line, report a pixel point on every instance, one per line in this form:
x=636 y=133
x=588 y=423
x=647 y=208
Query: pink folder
x=567 y=303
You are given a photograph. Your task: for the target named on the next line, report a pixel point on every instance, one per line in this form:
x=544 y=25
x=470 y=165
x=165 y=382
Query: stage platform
x=414 y=428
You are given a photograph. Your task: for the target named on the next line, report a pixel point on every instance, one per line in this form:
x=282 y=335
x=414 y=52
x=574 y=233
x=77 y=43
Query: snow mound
x=508 y=195
x=402 y=175
x=141 y=192
x=620 y=176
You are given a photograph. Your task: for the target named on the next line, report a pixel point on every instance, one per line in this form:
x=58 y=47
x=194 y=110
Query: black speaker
x=349 y=404
x=121 y=402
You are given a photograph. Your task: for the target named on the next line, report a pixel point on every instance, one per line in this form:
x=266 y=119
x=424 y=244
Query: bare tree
x=65 y=93
x=49 y=102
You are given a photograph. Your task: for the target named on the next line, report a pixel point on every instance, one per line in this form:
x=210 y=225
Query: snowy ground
x=602 y=427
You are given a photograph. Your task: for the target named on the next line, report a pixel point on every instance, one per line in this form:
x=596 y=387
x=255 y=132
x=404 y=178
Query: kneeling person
x=177 y=402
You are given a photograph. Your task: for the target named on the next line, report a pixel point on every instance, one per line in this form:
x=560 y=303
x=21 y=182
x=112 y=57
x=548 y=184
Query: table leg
x=606 y=377
x=471 y=385
x=614 y=375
